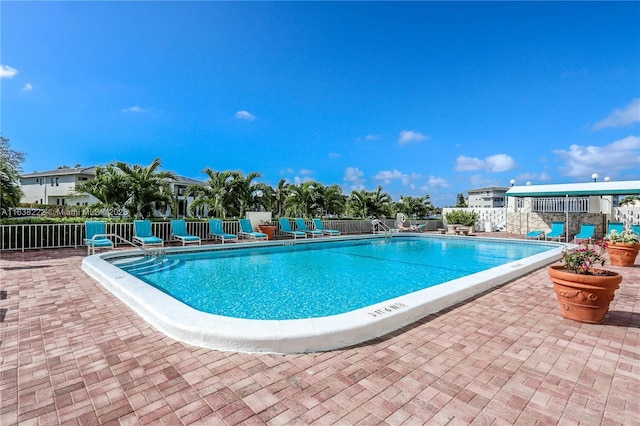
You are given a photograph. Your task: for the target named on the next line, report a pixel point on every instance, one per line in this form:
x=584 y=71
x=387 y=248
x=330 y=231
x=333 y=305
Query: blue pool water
x=319 y=279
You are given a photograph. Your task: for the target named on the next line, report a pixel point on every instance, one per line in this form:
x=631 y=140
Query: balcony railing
x=558 y=205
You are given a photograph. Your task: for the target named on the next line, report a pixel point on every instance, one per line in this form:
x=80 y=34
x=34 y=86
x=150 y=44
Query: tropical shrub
x=462 y=217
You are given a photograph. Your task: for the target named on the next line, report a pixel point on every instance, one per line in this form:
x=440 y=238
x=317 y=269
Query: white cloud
x=298 y=180
x=500 y=163
x=287 y=171
x=618 y=156
x=306 y=172
x=27 y=87
x=245 y=115
x=621 y=117
x=494 y=163
x=466 y=164
x=135 y=109
x=408 y=180
x=409 y=136
x=334 y=155
x=534 y=178
x=353 y=177
x=386 y=176
x=368 y=138
x=435 y=182
x=7 y=72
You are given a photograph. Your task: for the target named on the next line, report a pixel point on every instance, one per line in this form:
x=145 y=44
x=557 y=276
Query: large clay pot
x=623 y=254
x=270 y=230
x=584 y=297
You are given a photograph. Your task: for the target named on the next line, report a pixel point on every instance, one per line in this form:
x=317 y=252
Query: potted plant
x=465 y=218
x=584 y=291
x=267 y=227
x=623 y=247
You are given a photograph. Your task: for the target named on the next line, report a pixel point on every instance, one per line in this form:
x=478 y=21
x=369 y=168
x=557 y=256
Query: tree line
x=143 y=190
x=230 y=194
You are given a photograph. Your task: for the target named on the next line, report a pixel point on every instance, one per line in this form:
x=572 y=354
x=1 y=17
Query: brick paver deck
x=71 y=353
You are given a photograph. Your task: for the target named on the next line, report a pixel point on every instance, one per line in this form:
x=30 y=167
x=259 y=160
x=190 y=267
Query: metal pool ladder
x=380 y=227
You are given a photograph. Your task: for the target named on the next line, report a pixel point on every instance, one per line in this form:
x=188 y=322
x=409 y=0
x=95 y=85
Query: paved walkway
x=71 y=353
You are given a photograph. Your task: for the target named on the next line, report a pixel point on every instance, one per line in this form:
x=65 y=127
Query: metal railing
x=65 y=235
x=557 y=205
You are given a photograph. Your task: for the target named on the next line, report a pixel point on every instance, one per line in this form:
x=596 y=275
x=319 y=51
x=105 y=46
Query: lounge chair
x=217 y=232
x=320 y=227
x=399 y=224
x=537 y=234
x=143 y=235
x=179 y=232
x=635 y=229
x=302 y=226
x=615 y=226
x=557 y=231
x=95 y=235
x=587 y=231
x=246 y=231
x=285 y=228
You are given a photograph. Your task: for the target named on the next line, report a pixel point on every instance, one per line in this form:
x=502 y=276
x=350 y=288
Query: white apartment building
x=486 y=198
x=56 y=187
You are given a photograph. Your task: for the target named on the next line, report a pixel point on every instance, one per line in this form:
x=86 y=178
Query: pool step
x=150 y=265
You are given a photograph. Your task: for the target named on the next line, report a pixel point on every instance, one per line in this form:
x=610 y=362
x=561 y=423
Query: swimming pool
x=320 y=279
x=319 y=295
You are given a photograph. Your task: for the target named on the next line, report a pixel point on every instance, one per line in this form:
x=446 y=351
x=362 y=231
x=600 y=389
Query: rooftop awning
x=630 y=187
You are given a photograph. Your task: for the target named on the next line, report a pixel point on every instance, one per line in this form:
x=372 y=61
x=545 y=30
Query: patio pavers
x=72 y=353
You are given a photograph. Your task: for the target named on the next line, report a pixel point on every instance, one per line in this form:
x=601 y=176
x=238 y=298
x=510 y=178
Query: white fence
x=45 y=236
x=559 y=205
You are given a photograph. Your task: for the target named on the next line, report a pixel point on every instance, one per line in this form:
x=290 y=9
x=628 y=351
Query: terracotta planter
x=623 y=254
x=270 y=230
x=583 y=297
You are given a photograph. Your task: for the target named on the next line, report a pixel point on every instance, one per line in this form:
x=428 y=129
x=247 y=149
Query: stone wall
x=521 y=222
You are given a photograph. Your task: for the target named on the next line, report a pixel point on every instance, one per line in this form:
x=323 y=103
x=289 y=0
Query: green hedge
x=462 y=217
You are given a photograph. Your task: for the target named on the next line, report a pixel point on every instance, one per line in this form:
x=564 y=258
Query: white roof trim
x=631 y=187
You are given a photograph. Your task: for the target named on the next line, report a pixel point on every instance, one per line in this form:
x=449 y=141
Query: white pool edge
x=185 y=324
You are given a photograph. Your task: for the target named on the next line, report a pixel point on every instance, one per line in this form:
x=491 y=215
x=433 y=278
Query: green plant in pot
x=623 y=247
x=583 y=289
x=462 y=217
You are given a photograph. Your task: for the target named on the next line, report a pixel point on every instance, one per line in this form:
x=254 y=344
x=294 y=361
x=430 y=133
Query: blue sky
x=420 y=97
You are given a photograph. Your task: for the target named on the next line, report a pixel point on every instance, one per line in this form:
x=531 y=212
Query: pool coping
x=183 y=323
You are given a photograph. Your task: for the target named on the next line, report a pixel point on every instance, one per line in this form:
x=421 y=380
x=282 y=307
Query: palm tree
x=358 y=203
x=10 y=191
x=244 y=193
x=263 y=198
x=414 y=206
x=380 y=203
x=110 y=187
x=213 y=194
x=303 y=199
x=280 y=197
x=149 y=188
x=371 y=203
x=333 y=200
